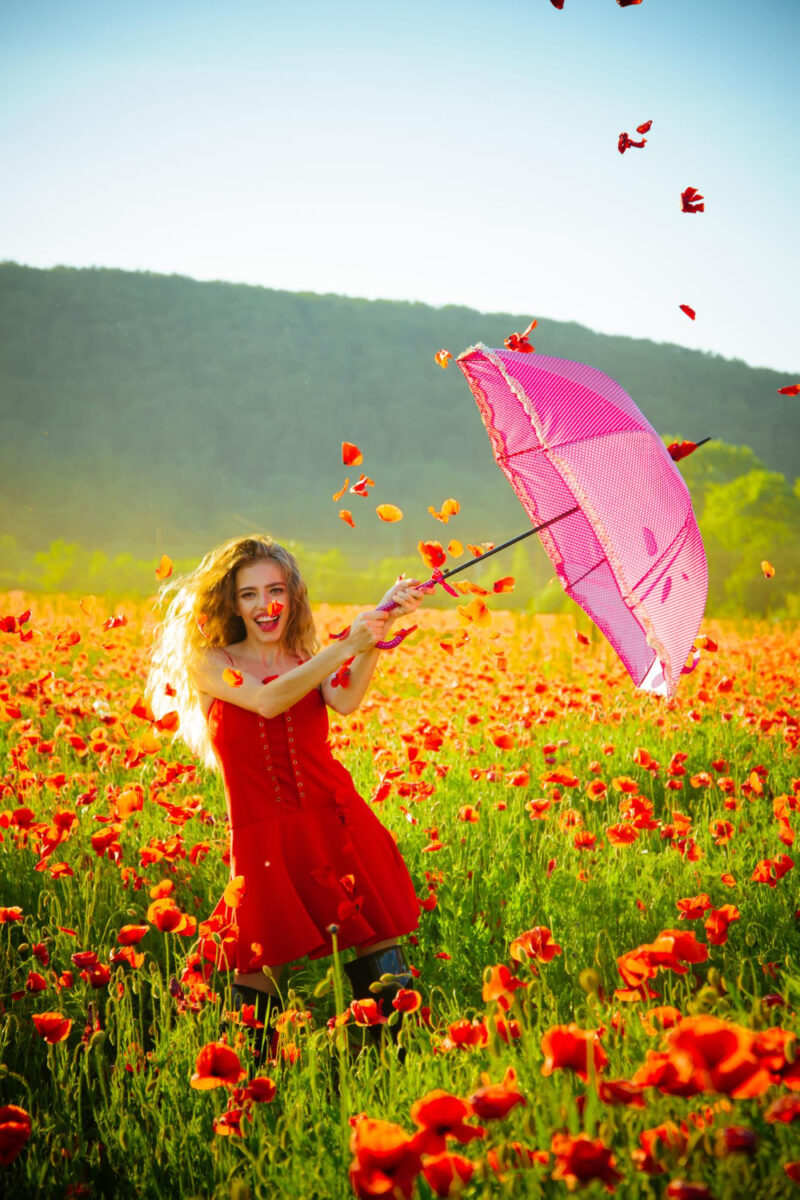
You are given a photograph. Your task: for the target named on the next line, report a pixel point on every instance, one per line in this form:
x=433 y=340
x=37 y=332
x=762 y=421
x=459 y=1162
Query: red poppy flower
x=566 y=1047
x=535 y=943
x=665 y=1139
x=723 y=1056
x=692 y=907
x=367 y=1012
x=15 y=1129
x=131 y=935
x=494 y=1101
x=216 y=1066
x=500 y=986
x=620 y=1091
x=785 y=1109
x=467 y=1034
x=387 y=1160
x=717 y=922
x=621 y=834
x=446 y=1173
x=581 y=1159
x=407 y=1000
x=96 y=976
x=441 y=1115
x=680 y=1189
x=736 y=1139
x=52 y=1026
x=672 y=1074
x=262 y=1089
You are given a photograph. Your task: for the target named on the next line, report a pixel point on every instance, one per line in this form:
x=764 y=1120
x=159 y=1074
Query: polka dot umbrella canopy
x=629 y=552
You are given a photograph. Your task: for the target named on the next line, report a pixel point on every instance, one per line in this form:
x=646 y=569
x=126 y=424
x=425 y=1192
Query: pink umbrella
x=620 y=533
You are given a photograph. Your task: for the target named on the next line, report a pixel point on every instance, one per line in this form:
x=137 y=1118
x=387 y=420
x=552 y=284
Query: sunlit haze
x=451 y=153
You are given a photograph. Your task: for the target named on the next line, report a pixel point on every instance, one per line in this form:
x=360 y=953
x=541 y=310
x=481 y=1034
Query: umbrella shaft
x=510 y=542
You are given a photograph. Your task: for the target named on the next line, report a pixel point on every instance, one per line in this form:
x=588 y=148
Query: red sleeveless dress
x=312 y=852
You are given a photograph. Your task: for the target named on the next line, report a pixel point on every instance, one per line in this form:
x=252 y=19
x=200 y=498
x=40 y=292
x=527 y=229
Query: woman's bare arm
x=271 y=699
x=346 y=700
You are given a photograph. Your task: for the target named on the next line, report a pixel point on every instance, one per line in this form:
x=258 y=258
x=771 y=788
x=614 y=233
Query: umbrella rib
x=575 y=582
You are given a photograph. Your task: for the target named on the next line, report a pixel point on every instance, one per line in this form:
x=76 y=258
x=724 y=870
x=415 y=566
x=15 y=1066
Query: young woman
x=237 y=655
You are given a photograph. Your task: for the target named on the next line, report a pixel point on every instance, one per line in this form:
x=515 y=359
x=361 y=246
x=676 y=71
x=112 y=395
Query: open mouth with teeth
x=269 y=621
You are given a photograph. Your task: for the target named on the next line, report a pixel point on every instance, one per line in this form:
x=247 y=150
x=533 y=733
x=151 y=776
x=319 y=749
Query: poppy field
x=607 y=964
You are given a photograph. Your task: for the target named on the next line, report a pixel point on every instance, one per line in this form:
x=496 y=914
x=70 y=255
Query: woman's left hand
x=406 y=594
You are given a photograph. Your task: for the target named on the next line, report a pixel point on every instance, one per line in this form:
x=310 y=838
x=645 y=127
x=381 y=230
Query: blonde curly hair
x=200 y=615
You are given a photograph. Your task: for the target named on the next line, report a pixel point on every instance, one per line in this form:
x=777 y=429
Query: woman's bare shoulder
x=210 y=659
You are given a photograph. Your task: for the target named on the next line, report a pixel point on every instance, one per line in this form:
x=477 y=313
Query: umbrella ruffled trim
x=629 y=597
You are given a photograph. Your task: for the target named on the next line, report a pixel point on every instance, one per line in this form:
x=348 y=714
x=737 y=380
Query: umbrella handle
x=402 y=634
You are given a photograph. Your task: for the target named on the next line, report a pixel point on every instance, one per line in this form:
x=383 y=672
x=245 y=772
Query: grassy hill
x=142 y=413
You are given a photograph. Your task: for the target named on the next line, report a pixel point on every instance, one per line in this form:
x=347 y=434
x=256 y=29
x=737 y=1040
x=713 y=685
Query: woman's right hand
x=367 y=629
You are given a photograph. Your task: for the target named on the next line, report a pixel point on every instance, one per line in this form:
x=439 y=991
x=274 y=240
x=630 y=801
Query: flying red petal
x=691 y=314
x=644 y=128
x=691 y=201
x=351 y=455
x=362 y=485
x=792 y=389
x=519 y=341
x=679 y=450
x=627 y=143
x=389 y=512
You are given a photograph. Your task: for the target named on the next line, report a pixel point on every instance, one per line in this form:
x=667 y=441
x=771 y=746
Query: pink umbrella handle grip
x=402 y=634
x=399 y=637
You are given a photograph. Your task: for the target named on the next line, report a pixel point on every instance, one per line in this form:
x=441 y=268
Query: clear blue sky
x=450 y=152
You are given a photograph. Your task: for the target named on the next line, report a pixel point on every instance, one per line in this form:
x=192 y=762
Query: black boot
x=265 y=1005
x=368 y=970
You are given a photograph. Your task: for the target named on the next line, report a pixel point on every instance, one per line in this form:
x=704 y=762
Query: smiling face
x=260 y=588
